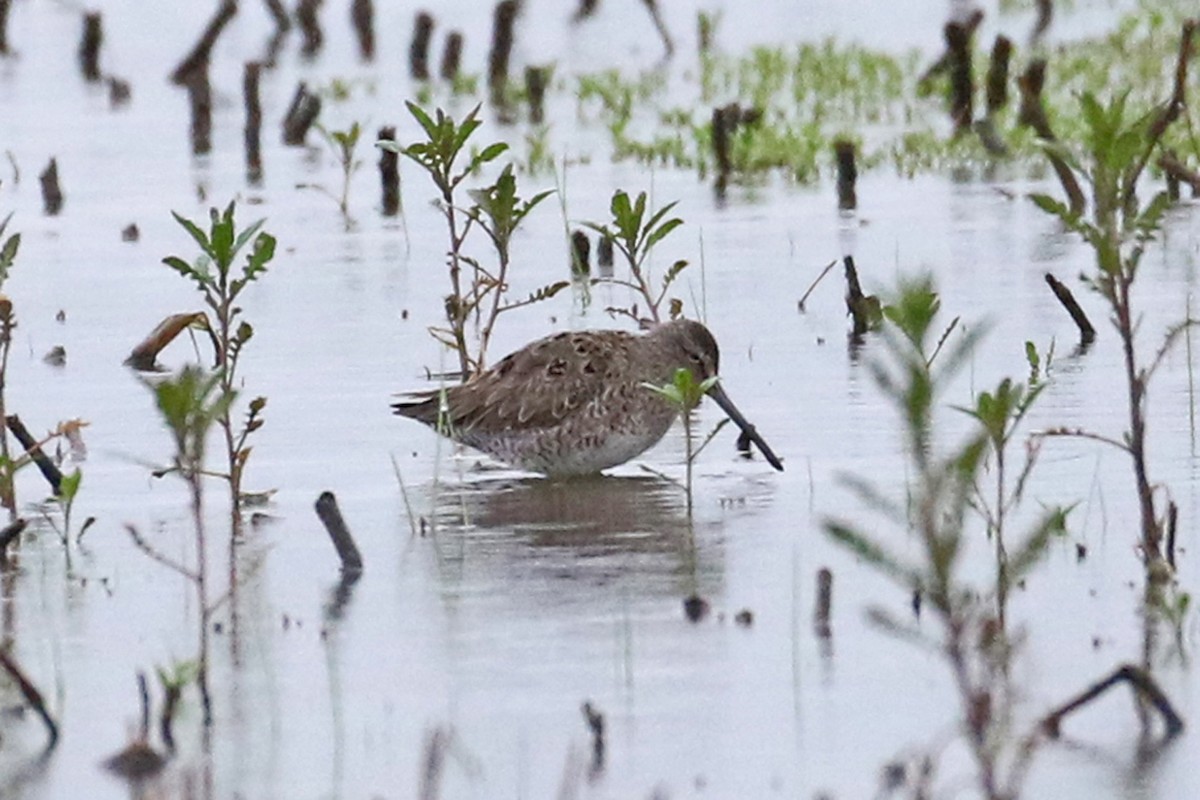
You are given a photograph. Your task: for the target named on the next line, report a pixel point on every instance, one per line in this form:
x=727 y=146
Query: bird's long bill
x=718 y=394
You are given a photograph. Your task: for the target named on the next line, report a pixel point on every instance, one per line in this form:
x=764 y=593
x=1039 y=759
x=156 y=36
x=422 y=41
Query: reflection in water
x=591 y=531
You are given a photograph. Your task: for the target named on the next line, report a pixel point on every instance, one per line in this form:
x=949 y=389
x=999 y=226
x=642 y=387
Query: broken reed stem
x=343 y=541
x=856 y=302
x=604 y=253
x=47 y=467
x=198 y=58
x=4 y=7
x=389 y=173
x=1140 y=682
x=1045 y=15
x=1172 y=526
x=661 y=26
x=437 y=742
x=1033 y=113
x=8 y=535
x=504 y=19
x=418 y=50
x=595 y=723
x=581 y=254
x=451 y=56
x=847 y=174
x=252 y=132
x=142 y=357
x=362 y=15
x=1087 y=334
x=166 y=718
x=536 y=79
x=301 y=114
x=52 y=196
x=962 y=81
x=32 y=696
x=144 y=697
x=89 y=46
x=824 y=603
x=997 y=76
x=200 y=104
x=1169 y=112
x=310 y=27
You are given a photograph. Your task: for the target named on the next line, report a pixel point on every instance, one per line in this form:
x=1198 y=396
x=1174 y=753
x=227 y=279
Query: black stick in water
x=302 y=113
x=362 y=14
x=581 y=252
x=4 y=6
x=1087 y=334
x=310 y=27
x=331 y=517
x=252 y=133
x=200 y=103
x=52 y=196
x=198 y=58
x=89 y=47
x=536 y=79
x=997 y=76
x=49 y=471
x=962 y=81
x=503 y=21
x=418 y=50
x=847 y=174
x=389 y=173
x=451 y=57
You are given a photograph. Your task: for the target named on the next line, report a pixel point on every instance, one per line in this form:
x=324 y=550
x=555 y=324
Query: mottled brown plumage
x=575 y=403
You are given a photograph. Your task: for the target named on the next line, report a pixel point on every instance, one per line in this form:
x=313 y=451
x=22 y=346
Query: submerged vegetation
x=807 y=96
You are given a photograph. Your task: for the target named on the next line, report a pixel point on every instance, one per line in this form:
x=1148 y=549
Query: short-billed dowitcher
x=576 y=403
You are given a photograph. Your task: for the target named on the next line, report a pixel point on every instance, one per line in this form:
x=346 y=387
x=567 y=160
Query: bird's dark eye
x=695 y=357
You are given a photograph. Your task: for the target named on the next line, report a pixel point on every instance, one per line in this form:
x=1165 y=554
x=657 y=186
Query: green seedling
x=942 y=495
x=441 y=155
x=479 y=296
x=499 y=211
x=190 y=403
x=343 y=144
x=685 y=393
x=220 y=281
x=634 y=235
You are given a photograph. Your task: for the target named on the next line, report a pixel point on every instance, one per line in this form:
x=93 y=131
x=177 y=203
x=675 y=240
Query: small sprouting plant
x=941 y=497
x=635 y=235
x=498 y=210
x=190 y=403
x=1118 y=228
x=439 y=156
x=477 y=296
x=343 y=144
x=216 y=275
x=684 y=392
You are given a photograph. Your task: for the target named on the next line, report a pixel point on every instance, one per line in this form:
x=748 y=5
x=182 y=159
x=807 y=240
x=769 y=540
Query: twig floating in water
x=1143 y=685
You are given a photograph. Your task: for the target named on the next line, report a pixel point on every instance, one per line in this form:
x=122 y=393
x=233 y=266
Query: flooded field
x=495 y=604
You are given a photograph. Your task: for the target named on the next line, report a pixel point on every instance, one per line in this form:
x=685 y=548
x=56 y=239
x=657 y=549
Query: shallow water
x=523 y=599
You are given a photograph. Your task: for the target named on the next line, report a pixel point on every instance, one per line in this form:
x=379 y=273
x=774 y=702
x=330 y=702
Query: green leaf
x=490 y=153
x=194 y=230
x=422 y=119
x=68 y=487
x=658 y=234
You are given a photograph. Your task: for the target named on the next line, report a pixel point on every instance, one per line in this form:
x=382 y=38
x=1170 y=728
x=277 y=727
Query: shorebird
x=576 y=403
